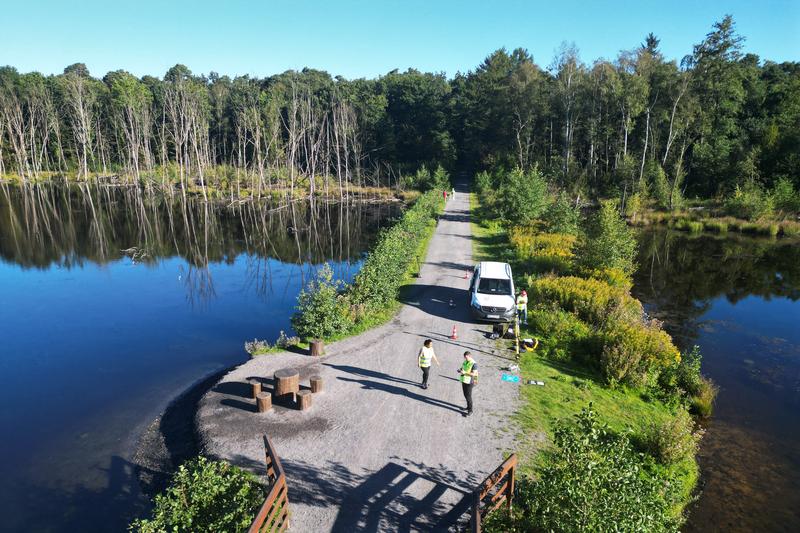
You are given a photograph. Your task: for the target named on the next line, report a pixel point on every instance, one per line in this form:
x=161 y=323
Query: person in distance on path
x=469 y=375
x=424 y=358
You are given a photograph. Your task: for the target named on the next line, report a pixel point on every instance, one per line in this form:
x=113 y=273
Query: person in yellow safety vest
x=469 y=376
x=424 y=358
x=522 y=307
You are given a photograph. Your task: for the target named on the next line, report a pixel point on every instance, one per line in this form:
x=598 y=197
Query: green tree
x=205 y=495
x=593 y=481
x=608 y=242
x=522 y=197
x=321 y=312
x=563 y=215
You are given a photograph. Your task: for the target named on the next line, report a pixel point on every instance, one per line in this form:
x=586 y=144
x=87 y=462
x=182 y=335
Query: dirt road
x=376 y=452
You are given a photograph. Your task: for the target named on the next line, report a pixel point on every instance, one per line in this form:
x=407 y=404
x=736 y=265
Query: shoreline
x=171 y=438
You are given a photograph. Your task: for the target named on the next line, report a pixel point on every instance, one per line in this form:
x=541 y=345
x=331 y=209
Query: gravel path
x=376 y=452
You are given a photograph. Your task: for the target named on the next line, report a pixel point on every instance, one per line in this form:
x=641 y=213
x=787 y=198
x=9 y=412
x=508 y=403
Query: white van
x=491 y=292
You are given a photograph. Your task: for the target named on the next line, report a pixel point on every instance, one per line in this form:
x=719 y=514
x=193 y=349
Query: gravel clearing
x=376 y=452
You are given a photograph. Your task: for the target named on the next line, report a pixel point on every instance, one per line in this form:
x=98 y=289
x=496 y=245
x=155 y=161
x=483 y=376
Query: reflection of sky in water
x=720 y=293
x=93 y=344
x=91 y=352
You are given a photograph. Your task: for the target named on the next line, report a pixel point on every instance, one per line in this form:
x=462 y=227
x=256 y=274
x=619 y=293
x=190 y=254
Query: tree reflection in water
x=680 y=275
x=65 y=226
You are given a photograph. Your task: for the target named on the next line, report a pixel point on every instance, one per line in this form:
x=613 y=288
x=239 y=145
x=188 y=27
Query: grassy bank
x=636 y=412
x=704 y=220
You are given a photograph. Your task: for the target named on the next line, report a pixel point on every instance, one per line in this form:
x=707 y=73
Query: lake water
x=739 y=300
x=111 y=302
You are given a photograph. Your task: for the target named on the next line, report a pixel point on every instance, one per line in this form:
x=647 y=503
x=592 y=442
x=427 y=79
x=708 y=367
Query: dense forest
x=701 y=126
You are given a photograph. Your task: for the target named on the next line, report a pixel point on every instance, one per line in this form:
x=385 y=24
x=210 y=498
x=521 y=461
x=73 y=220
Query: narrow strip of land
x=376 y=451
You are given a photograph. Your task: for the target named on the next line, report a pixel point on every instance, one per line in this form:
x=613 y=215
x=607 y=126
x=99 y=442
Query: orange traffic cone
x=454 y=334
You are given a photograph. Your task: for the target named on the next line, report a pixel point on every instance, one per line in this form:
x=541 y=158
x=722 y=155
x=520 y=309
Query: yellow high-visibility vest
x=425 y=357
x=465 y=368
x=522 y=302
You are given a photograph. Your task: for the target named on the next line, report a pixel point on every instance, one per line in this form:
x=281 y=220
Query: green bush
x=256 y=347
x=593 y=481
x=593 y=300
x=321 y=311
x=702 y=402
x=562 y=216
x=786 y=199
x=521 y=197
x=563 y=335
x=636 y=351
x=383 y=272
x=424 y=180
x=673 y=440
x=750 y=202
x=659 y=185
x=608 y=242
x=205 y=496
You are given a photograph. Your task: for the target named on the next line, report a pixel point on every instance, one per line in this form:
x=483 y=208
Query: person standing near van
x=522 y=307
x=468 y=374
x=426 y=355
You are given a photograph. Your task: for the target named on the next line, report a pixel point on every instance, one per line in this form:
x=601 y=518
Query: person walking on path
x=469 y=374
x=522 y=307
x=426 y=354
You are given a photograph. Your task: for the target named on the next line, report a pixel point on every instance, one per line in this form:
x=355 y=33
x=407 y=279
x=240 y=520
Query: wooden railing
x=494 y=492
x=274 y=513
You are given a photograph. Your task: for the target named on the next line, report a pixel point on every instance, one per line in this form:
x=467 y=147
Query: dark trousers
x=522 y=315
x=467 y=388
x=425 y=371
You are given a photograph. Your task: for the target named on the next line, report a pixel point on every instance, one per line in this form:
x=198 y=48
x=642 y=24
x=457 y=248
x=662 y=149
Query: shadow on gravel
x=370 y=373
x=391 y=389
x=379 y=500
x=435 y=301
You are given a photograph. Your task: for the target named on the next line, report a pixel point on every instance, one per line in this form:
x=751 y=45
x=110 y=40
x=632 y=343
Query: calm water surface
x=739 y=299
x=111 y=302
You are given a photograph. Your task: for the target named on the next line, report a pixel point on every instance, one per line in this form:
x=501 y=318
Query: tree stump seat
x=256 y=388
x=304 y=399
x=287 y=381
x=316 y=384
x=317 y=348
x=264 y=402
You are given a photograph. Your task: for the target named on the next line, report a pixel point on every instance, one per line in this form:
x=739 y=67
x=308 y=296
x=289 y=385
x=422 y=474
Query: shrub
x=673 y=440
x=256 y=347
x=750 y=202
x=545 y=251
x=718 y=226
x=377 y=283
x=702 y=402
x=205 y=496
x=689 y=225
x=562 y=216
x=786 y=199
x=790 y=229
x=659 y=185
x=591 y=299
x=522 y=197
x=424 y=180
x=608 y=242
x=633 y=351
x=563 y=335
x=285 y=341
x=594 y=481
x=614 y=277
x=321 y=311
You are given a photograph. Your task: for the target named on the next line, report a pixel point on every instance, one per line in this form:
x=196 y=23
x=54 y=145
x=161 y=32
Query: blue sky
x=364 y=38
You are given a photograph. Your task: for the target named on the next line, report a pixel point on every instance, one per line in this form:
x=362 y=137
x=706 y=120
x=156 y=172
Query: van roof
x=495 y=270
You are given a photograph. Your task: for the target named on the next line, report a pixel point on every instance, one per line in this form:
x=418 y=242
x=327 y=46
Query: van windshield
x=494 y=286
